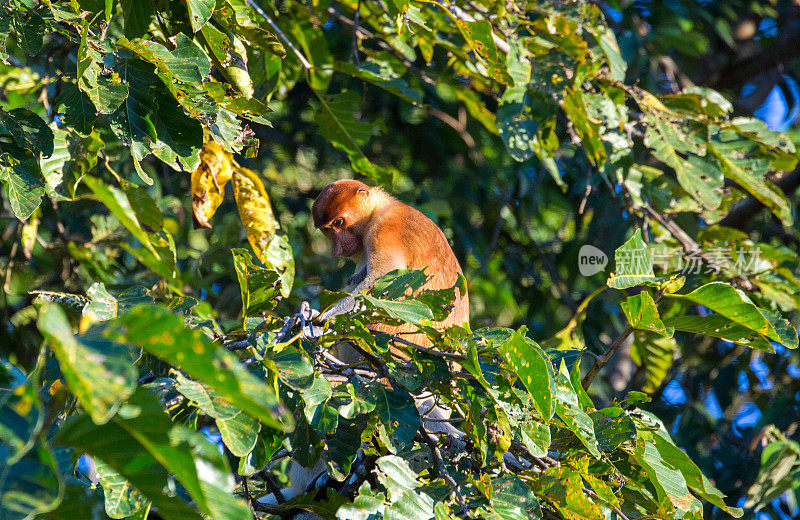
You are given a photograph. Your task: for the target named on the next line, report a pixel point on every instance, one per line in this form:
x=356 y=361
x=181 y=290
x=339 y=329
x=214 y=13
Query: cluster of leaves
x=532 y=438
x=103 y=102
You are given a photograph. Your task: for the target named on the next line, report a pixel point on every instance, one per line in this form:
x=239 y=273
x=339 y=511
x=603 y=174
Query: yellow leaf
x=208 y=182
x=29 y=231
x=254 y=210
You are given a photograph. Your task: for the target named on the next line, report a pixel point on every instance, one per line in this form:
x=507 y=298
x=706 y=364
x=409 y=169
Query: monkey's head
x=342 y=212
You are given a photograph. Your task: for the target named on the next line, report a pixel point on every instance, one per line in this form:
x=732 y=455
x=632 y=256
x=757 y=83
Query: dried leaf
x=208 y=182
x=254 y=210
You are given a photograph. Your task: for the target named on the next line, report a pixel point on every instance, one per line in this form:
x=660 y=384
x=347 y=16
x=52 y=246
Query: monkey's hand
x=343 y=306
x=311 y=329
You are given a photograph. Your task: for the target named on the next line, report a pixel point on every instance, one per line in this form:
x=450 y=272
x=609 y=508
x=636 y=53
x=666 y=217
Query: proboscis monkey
x=383 y=234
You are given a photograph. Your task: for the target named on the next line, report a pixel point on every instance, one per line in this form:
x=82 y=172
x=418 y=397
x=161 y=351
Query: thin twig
x=603 y=361
x=237 y=345
x=613 y=507
x=598 y=365
x=460 y=126
x=432 y=352
x=437 y=454
x=282 y=36
x=383 y=45
x=356 y=19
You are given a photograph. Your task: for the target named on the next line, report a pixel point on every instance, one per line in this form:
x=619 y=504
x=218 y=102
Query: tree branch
x=603 y=361
x=437 y=454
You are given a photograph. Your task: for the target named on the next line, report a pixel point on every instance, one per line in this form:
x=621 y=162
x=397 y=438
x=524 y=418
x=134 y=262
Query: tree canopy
x=616 y=178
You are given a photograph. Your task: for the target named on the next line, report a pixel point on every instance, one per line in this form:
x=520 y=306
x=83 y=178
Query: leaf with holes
x=529 y=362
x=121 y=498
x=98 y=371
x=733 y=304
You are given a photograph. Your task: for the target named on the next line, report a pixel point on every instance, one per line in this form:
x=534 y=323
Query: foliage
x=134 y=340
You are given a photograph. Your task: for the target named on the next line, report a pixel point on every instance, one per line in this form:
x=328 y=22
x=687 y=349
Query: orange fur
x=386 y=234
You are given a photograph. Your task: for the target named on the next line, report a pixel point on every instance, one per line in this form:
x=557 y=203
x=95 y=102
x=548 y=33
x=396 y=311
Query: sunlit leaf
x=99 y=372
x=208 y=182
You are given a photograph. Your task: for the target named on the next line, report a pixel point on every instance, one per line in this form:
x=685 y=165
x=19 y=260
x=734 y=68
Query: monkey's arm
x=380 y=263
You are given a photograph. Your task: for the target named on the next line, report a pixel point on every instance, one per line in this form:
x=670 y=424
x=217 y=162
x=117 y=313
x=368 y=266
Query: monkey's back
x=405 y=231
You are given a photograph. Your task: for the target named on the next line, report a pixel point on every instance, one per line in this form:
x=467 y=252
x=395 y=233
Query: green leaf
x=613 y=427
x=382 y=74
x=632 y=264
x=642 y=314
x=564 y=489
x=165 y=335
x=259 y=285
x=144 y=446
x=186 y=63
x=367 y=504
x=99 y=372
x=337 y=124
x=210 y=402
x=569 y=410
x=150 y=121
x=121 y=499
x=518 y=118
x=144 y=206
x=25 y=190
x=589 y=131
x=701 y=178
x=479 y=36
x=320 y=416
x=511 y=499
x=79 y=111
x=341 y=449
x=741 y=168
x=30 y=486
x=529 y=362
x=734 y=305
x=677 y=458
x=396 y=283
x=268 y=443
x=29 y=130
x=655 y=354
x=667 y=480
x=60 y=162
x=397 y=411
x=239 y=433
x=136 y=16
x=117 y=202
x=262 y=39
x=30 y=29
x=200 y=12
x=720 y=327
x=617 y=64
x=102 y=306
x=133 y=122
x=293 y=368
x=410 y=311
x=779 y=461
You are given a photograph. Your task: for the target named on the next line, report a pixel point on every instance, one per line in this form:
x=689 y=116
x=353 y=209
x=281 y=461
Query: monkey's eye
x=338 y=223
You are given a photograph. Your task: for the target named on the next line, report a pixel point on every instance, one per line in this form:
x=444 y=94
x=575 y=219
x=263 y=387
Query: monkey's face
x=344 y=241
x=340 y=212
